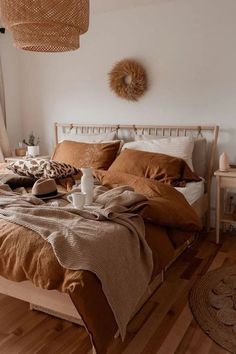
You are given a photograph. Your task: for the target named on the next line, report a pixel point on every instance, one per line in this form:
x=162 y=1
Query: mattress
x=193 y=191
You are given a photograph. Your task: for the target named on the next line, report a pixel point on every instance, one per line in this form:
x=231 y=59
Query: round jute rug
x=213 y=304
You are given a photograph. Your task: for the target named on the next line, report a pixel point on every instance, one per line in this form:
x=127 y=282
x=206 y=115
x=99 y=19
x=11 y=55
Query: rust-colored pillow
x=166 y=207
x=161 y=167
x=77 y=154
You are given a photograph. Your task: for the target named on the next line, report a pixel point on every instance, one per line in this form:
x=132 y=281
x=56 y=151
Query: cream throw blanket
x=109 y=241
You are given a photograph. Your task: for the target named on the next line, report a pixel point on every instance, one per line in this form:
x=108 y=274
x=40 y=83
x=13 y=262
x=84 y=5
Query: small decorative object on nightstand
x=21 y=150
x=32 y=145
x=224 y=179
x=224 y=162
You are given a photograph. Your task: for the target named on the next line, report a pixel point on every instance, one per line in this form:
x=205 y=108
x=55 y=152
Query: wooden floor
x=164 y=325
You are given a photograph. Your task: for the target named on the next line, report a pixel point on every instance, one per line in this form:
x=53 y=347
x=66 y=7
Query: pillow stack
x=67 y=159
x=192 y=149
x=168 y=160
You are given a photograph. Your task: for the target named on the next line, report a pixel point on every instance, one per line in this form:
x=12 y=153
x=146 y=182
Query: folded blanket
x=110 y=241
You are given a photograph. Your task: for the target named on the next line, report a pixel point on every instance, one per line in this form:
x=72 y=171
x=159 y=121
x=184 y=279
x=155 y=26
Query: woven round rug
x=213 y=304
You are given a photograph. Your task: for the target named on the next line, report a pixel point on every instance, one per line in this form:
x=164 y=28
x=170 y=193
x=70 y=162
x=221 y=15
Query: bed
x=202 y=190
x=198 y=194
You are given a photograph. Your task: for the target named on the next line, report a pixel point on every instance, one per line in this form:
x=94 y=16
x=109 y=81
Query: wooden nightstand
x=223 y=180
x=16 y=158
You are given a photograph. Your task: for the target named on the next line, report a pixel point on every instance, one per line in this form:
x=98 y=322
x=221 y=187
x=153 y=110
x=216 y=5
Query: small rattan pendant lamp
x=46 y=25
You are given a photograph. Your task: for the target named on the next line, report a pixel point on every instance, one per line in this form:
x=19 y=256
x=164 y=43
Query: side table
x=223 y=180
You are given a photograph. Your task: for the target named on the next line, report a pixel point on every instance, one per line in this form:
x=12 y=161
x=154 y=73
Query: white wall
x=10 y=63
x=187 y=46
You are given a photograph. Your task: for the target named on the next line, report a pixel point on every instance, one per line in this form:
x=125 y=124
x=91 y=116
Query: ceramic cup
x=77 y=199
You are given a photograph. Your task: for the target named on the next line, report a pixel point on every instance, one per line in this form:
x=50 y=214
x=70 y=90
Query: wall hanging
x=46 y=26
x=128 y=79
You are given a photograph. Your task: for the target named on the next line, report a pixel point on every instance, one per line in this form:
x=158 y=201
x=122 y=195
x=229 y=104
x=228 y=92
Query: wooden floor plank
x=172 y=340
x=164 y=325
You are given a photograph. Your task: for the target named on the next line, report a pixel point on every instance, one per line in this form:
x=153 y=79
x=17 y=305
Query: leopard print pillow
x=38 y=168
x=29 y=167
x=54 y=169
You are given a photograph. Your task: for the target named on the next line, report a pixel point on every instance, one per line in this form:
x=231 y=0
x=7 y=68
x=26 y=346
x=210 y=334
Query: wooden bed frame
x=59 y=304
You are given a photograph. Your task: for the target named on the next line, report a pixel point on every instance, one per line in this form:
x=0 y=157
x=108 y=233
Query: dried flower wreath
x=128 y=79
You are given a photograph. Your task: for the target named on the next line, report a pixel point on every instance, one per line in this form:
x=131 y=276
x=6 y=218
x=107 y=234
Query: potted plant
x=32 y=145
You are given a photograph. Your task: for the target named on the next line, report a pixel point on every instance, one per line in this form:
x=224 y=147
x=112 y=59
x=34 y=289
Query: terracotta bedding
x=25 y=255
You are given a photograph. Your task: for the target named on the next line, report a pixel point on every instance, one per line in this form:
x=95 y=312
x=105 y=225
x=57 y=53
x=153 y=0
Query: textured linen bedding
x=105 y=241
x=24 y=255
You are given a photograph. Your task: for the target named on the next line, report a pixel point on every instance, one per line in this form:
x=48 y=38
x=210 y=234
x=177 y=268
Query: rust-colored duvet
x=24 y=255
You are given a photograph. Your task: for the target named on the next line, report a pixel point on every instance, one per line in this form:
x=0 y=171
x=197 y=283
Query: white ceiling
x=111 y=5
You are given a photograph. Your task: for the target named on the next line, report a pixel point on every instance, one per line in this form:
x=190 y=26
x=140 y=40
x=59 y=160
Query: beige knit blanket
x=108 y=241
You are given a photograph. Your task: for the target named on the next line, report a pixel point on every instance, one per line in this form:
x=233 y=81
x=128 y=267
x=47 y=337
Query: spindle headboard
x=127 y=133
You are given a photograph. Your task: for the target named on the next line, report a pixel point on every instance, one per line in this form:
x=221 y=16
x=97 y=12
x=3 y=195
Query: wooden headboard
x=210 y=132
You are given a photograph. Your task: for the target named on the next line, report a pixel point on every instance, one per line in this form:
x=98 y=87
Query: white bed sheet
x=193 y=191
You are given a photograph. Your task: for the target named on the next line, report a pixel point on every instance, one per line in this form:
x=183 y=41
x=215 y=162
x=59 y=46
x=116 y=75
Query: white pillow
x=181 y=147
x=90 y=138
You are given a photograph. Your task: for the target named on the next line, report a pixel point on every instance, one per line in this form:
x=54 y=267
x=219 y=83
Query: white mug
x=77 y=199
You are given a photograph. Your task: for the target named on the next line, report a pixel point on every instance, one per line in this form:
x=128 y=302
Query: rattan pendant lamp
x=46 y=25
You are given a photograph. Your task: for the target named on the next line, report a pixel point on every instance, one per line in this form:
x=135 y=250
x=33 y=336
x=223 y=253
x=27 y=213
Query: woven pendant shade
x=46 y=25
